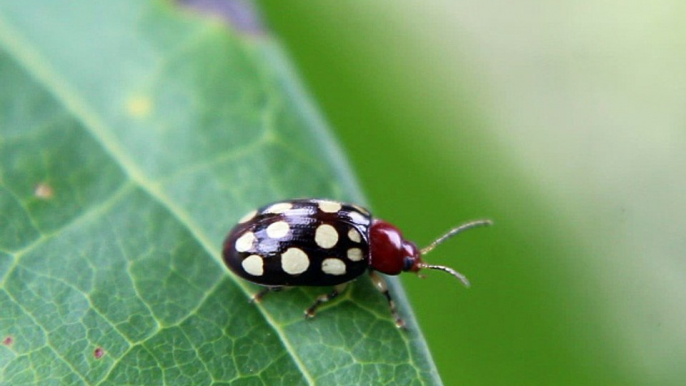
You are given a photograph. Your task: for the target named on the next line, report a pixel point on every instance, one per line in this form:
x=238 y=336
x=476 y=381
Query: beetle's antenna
x=451 y=233
x=451 y=271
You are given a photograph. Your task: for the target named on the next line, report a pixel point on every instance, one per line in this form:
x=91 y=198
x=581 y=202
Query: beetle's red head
x=391 y=254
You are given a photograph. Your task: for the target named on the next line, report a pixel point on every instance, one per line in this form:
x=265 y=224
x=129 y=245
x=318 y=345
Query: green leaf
x=132 y=136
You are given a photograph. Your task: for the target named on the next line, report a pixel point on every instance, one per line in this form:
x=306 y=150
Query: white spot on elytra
x=333 y=266
x=329 y=206
x=278 y=229
x=294 y=261
x=244 y=243
x=326 y=236
x=361 y=209
x=355 y=254
x=354 y=235
x=279 y=208
x=358 y=218
x=247 y=216
x=253 y=265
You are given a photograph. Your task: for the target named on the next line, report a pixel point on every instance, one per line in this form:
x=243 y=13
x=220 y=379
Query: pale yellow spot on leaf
x=139 y=106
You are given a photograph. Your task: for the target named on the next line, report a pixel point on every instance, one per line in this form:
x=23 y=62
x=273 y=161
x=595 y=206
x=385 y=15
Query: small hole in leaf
x=98 y=353
x=44 y=191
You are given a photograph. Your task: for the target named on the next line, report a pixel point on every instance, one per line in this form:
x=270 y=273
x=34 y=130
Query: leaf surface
x=132 y=136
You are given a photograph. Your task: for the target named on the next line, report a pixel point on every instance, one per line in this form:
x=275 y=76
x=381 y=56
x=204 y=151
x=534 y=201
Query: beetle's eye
x=408 y=262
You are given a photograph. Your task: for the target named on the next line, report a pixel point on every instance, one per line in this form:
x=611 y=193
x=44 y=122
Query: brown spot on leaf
x=44 y=191
x=8 y=341
x=98 y=352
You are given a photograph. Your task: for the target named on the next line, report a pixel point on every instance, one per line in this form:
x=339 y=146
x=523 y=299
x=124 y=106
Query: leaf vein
x=47 y=336
x=35 y=64
x=89 y=214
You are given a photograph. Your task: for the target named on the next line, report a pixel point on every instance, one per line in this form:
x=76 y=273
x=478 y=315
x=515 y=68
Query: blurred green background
x=562 y=121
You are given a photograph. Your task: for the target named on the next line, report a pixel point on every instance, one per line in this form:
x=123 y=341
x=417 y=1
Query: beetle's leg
x=258 y=296
x=309 y=313
x=381 y=285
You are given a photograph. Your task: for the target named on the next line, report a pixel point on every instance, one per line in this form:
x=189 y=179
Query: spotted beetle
x=319 y=242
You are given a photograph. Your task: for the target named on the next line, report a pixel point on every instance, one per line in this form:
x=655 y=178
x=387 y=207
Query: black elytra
x=321 y=242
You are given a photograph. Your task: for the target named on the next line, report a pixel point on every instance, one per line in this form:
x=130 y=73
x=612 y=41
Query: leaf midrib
x=33 y=63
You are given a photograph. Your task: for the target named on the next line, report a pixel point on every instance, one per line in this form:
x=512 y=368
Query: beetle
x=322 y=242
